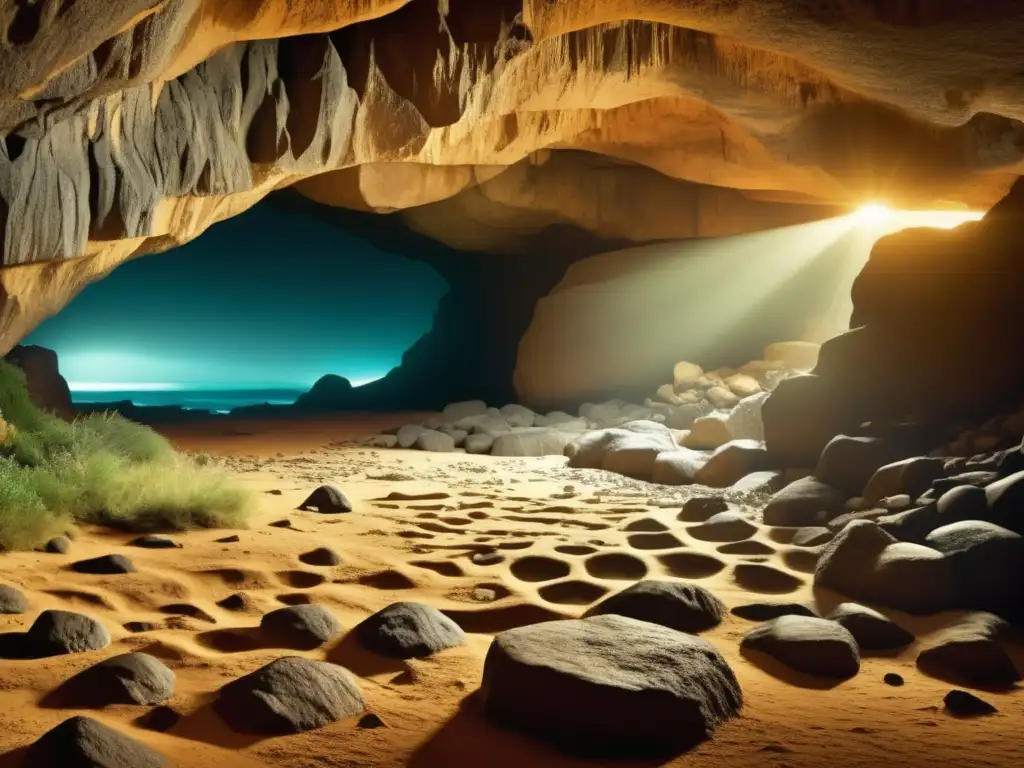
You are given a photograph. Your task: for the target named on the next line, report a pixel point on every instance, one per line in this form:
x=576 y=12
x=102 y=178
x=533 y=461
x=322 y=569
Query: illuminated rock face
x=132 y=126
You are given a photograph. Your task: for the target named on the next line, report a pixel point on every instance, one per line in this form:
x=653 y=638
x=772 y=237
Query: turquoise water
x=216 y=400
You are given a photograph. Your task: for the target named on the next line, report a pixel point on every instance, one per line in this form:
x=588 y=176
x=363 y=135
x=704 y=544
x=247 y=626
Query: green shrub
x=100 y=469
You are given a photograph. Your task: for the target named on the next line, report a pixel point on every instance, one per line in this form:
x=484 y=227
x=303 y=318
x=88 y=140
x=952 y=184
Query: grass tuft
x=99 y=469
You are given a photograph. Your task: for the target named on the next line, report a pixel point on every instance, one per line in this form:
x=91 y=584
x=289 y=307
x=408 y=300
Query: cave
x=633 y=379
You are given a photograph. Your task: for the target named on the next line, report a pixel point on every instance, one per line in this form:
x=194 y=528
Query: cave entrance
x=253 y=311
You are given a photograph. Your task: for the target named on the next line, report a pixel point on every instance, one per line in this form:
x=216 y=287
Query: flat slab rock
x=608 y=685
x=82 y=741
x=676 y=605
x=408 y=630
x=812 y=646
x=290 y=695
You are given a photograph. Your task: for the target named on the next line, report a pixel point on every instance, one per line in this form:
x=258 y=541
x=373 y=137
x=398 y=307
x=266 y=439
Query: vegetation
x=99 y=469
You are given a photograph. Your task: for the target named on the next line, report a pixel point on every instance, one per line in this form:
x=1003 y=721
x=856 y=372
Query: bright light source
x=874 y=215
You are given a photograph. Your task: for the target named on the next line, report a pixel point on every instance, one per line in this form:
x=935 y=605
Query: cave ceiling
x=130 y=126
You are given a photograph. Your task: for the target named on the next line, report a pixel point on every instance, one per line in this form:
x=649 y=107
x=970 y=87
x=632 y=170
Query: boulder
x=721 y=397
x=300 y=626
x=559 y=418
x=434 y=441
x=767 y=482
x=130 y=678
x=676 y=605
x=964 y=502
x=518 y=415
x=608 y=685
x=627 y=450
x=290 y=695
x=709 y=432
x=724 y=526
x=59 y=632
x=743 y=385
x=685 y=415
x=408 y=434
x=865 y=563
x=910 y=476
x=678 y=467
x=327 y=500
x=453 y=412
x=532 y=441
x=383 y=441
x=699 y=509
x=809 y=645
x=871 y=630
x=685 y=375
x=488 y=425
x=479 y=444
x=911 y=524
x=812 y=536
x=970 y=653
x=805 y=502
x=1006 y=502
x=744 y=421
x=328 y=393
x=732 y=462
x=848 y=463
x=47 y=388
x=407 y=630
x=963 y=704
x=988 y=566
x=800 y=417
x=457 y=435
x=81 y=742
x=12 y=601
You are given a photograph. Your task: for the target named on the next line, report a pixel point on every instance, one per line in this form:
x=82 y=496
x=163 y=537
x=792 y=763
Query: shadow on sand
x=14 y=759
x=468 y=739
x=781 y=672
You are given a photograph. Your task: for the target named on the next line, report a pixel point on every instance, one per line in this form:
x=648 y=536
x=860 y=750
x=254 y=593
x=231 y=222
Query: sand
x=562 y=532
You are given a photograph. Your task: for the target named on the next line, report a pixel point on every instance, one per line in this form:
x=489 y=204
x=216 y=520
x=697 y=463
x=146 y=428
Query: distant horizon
x=106 y=387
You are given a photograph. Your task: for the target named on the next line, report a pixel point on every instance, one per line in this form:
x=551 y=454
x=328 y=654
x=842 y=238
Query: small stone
x=140 y=626
x=106 y=565
x=964 y=704
x=406 y=630
x=327 y=500
x=235 y=602
x=371 y=720
x=487 y=558
x=699 y=509
x=891 y=678
x=321 y=556
x=232 y=539
x=59 y=545
x=154 y=542
x=724 y=527
x=12 y=601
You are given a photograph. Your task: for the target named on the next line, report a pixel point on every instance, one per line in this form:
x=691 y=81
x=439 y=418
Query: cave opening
x=252 y=312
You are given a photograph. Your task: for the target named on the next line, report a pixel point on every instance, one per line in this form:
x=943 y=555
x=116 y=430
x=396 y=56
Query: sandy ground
x=563 y=534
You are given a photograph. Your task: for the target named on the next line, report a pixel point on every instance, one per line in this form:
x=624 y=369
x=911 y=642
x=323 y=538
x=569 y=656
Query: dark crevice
x=15 y=145
x=26 y=23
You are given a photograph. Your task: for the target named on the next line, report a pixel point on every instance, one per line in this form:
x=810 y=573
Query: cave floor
x=564 y=538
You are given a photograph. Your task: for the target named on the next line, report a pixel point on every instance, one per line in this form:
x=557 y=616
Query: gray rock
x=812 y=646
x=987 y=566
x=912 y=524
x=518 y=415
x=409 y=434
x=608 y=684
x=676 y=605
x=106 y=565
x=678 y=467
x=837 y=524
x=327 y=500
x=82 y=742
x=435 y=442
x=804 y=503
x=60 y=632
x=970 y=653
x=130 y=678
x=479 y=444
x=152 y=541
x=847 y=463
x=383 y=441
x=867 y=564
x=490 y=425
x=627 y=450
x=812 y=536
x=290 y=695
x=769 y=611
x=684 y=416
x=731 y=462
x=321 y=556
x=699 y=509
x=453 y=412
x=964 y=502
x=300 y=626
x=910 y=476
x=12 y=601
x=744 y=421
x=724 y=526
x=721 y=397
x=531 y=441
x=709 y=432
x=457 y=435
x=560 y=419
x=1005 y=502
x=59 y=545
x=759 y=482
x=409 y=630
x=871 y=630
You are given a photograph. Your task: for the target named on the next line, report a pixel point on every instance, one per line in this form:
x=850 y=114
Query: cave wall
x=130 y=127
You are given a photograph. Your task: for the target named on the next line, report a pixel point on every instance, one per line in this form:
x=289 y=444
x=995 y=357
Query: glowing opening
x=874 y=214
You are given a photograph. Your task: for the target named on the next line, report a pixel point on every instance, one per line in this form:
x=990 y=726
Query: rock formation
x=130 y=128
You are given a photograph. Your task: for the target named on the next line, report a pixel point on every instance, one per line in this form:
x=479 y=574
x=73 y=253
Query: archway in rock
x=253 y=311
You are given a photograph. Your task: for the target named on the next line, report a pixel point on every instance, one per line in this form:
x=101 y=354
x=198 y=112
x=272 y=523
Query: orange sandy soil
x=418 y=549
